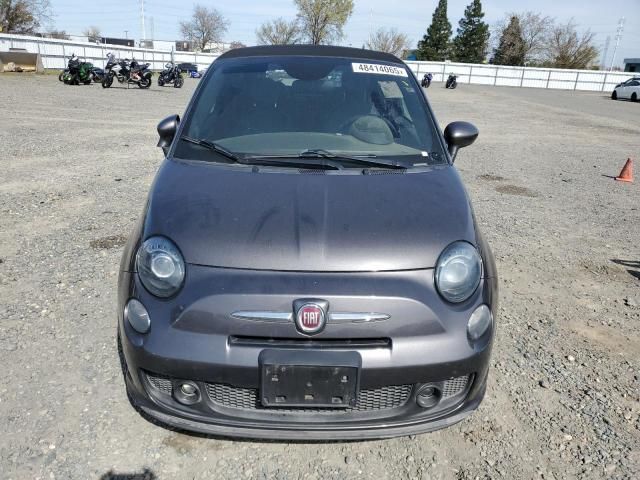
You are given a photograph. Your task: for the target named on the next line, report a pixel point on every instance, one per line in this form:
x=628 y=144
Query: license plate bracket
x=309 y=379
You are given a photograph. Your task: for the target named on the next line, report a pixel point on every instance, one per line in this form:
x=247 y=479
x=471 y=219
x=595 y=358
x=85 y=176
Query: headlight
x=458 y=272
x=160 y=266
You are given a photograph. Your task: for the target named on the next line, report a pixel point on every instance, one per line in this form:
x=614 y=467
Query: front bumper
x=193 y=339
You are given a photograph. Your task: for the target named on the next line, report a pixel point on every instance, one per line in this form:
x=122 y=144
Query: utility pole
x=604 y=53
x=144 y=34
x=618 y=37
x=126 y=34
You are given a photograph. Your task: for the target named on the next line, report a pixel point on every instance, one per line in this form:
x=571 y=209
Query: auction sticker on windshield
x=380 y=69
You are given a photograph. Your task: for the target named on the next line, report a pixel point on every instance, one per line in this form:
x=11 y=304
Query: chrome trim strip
x=264 y=316
x=357 y=317
x=286 y=317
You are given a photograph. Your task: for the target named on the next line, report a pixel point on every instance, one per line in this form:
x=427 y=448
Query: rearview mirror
x=459 y=135
x=167 y=129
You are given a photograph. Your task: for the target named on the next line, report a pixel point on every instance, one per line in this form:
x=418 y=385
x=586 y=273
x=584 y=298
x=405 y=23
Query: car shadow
x=634 y=266
x=146 y=474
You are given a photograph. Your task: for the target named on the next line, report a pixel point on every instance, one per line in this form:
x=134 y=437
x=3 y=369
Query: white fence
x=595 y=80
x=56 y=53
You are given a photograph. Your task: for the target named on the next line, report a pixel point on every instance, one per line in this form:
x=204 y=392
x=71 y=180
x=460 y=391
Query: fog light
x=428 y=396
x=188 y=389
x=479 y=322
x=137 y=316
x=188 y=393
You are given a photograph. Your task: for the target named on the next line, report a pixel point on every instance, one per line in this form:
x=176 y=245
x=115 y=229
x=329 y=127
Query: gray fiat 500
x=308 y=264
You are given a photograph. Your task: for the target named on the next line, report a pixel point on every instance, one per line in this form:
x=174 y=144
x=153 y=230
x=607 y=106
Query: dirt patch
x=487 y=177
x=515 y=190
x=607 y=337
x=600 y=269
x=112 y=241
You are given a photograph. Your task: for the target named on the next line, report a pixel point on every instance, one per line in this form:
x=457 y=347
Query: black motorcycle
x=426 y=80
x=171 y=74
x=452 y=81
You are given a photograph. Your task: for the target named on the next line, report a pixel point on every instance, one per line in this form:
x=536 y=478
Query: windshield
x=288 y=106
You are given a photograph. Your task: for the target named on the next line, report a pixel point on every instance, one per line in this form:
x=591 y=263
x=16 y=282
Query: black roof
x=310 y=50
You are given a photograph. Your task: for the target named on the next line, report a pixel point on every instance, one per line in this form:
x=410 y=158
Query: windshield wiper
x=213 y=147
x=257 y=160
x=321 y=153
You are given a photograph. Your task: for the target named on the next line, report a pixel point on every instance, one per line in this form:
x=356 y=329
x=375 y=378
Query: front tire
x=160 y=82
x=144 y=82
x=107 y=81
x=614 y=95
x=61 y=77
x=178 y=82
x=634 y=97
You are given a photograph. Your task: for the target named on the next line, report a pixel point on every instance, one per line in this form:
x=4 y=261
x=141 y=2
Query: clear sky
x=410 y=16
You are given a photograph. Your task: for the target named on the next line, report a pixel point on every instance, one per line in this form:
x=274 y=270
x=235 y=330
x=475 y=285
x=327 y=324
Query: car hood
x=234 y=218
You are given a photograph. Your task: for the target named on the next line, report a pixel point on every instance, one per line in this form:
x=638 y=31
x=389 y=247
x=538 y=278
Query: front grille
x=369 y=399
x=161 y=383
x=332 y=343
x=373 y=399
x=454 y=386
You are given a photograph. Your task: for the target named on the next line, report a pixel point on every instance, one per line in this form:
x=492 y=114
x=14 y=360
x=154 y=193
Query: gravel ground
x=564 y=393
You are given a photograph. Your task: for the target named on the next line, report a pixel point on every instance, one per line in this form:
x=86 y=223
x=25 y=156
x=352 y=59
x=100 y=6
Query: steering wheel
x=344 y=128
x=370 y=136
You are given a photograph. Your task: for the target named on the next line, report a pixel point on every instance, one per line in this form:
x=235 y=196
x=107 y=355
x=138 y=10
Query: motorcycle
x=452 y=81
x=125 y=71
x=171 y=74
x=426 y=80
x=96 y=73
x=77 y=72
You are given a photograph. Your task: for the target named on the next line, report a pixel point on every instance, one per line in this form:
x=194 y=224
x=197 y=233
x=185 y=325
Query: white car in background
x=629 y=90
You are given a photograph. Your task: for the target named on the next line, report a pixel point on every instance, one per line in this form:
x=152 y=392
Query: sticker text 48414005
x=379 y=69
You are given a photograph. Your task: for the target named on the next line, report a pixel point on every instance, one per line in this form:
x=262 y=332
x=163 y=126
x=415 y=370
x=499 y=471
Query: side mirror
x=167 y=129
x=459 y=135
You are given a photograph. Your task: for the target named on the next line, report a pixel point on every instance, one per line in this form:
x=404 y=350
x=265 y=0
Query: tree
x=511 y=49
x=207 y=25
x=388 y=40
x=93 y=33
x=23 y=16
x=236 y=44
x=472 y=39
x=322 y=21
x=435 y=44
x=567 y=49
x=535 y=29
x=279 y=32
